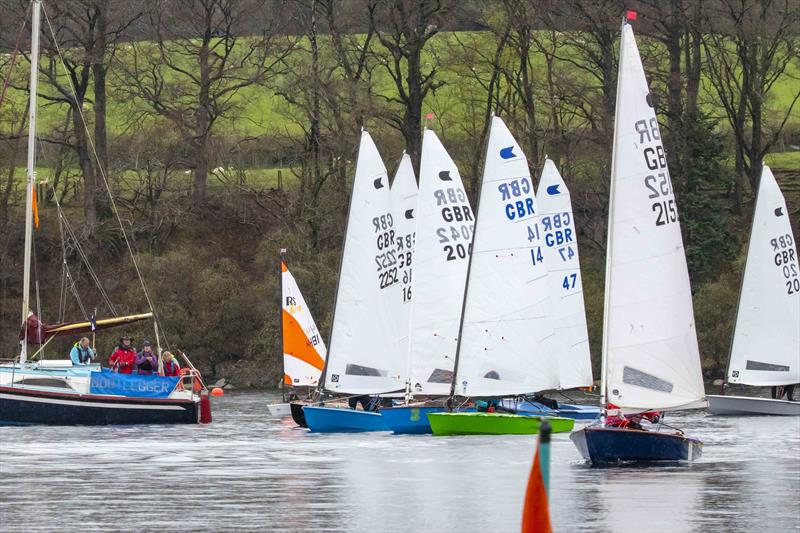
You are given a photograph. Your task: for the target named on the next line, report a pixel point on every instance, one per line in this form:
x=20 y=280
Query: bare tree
x=198 y=66
x=404 y=27
x=751 y=45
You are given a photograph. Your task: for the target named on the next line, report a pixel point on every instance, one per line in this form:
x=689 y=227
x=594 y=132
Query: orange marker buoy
x=216 y=391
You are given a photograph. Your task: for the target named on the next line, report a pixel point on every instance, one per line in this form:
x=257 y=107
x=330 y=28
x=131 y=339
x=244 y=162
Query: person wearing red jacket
x=123 y=359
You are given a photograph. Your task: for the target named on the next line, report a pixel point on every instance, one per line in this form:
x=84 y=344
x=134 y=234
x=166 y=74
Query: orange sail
x=535 y=513
x=303 y=349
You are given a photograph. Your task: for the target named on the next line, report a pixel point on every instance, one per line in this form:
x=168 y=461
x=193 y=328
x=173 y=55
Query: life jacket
x=171 y=368
x=84 y=354
x=147 y=366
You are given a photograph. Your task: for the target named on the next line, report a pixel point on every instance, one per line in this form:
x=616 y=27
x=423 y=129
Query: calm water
x=248 y=471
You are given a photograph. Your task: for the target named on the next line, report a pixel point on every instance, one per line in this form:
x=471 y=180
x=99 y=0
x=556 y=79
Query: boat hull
x=574 y=411
x=603 y=446
x=299 y=417
x=493 y=424
x=744 y=406
x=279 y=409
x=342 y=420
x=26 y=407
x=411 y=420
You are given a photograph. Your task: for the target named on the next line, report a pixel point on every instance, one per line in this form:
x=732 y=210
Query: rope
x=7 y=81
x=102 y=170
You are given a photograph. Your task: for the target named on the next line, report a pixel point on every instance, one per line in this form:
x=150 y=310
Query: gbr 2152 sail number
x=658 y=184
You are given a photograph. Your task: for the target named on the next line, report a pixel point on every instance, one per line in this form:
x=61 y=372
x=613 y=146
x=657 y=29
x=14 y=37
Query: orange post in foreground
x=536 y=512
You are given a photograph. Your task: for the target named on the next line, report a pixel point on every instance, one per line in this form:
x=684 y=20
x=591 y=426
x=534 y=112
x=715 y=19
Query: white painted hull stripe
x=90 y=404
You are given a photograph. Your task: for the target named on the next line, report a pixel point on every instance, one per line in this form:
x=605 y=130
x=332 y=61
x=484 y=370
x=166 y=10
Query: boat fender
x=205 y=408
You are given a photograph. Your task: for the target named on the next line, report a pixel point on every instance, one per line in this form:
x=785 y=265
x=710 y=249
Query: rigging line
x=102 y=171
x=13 y=63
x=85 y=259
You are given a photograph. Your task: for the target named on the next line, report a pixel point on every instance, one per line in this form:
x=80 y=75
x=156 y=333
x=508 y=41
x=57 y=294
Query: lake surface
x=248 y=471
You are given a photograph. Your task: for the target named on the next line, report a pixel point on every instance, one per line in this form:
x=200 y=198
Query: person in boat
x=146 y=360
x=81 y=353
x=170 y=365
x=784 y=390
x=123 y=360
x=632 y=421
x=364 y=400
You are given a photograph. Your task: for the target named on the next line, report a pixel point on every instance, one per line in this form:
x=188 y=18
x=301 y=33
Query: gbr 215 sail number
x=658 y=184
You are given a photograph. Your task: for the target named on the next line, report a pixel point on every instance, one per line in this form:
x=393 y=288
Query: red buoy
x=205 y=408
x=216 y=391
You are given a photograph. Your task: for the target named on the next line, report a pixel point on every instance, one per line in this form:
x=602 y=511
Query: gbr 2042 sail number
x=658 y=183
x=786 y=260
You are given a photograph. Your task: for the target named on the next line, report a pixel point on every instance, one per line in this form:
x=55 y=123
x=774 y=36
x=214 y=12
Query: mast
x=283 y=341
x=469 y=268
x=741 y=286
x=322 y=377
x=607 y=295
x=34 y=88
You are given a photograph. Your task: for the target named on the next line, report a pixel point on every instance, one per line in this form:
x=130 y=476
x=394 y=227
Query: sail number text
x=455 y=235
x=786 y=261
x=658 y=184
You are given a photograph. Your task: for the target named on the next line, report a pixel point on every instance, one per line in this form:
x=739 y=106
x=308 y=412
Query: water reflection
x=248 y=471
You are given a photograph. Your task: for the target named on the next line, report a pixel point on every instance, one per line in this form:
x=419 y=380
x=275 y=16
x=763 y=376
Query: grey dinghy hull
x=745 y=405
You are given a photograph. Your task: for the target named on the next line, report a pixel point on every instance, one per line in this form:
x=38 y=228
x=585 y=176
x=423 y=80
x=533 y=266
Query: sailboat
x=566 y=290
x=651 y=359
x=57 y=392
x=506 y=340
x=303 y=348
x=363 y=356
x=765 y=351
x=443 y=236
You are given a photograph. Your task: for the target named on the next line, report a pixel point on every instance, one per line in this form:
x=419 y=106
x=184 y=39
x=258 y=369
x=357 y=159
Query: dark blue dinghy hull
x=565 y=410
x=27 y=407
x=342 y=420
x=607 y=446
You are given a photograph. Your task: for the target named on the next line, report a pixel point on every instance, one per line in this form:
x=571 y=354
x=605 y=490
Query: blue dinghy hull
x=409 y=420
x=342 y=420
x=608 y=446
x=565 y=410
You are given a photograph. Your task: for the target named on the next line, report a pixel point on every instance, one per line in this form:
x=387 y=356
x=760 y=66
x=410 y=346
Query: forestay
x=507 y=334
x=363 y=356
x=303 y=348
x=404 y=204
x=651 y=355
x=566 y=286
x=443 y=236
x=766 y=341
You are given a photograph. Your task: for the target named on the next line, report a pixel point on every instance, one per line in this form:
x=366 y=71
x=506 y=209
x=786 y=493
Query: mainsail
x=445 y=223
x=650 y=353
x=363 y=356
x=566 y=287
x=303 y=348
x=766 y=341
x=404 y=205
x=506 y=341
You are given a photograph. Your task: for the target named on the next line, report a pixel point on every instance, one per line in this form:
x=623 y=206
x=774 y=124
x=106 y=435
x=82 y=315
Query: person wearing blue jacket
x=81 y=353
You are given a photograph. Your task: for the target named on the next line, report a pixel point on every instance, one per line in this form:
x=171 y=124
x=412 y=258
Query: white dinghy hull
x=745 y=405
x=279 y=409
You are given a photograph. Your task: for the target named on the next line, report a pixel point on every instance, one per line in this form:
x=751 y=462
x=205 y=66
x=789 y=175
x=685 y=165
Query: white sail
x=303 y=348
x=766 y=341
x=404 y=204
x=507 y=335
x=651 y=357
x=362 y=356
x=443 y=236
x=566 y=287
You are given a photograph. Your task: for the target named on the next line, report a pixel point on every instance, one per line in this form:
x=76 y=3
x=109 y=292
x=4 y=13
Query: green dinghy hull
x=494 y=424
